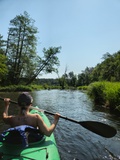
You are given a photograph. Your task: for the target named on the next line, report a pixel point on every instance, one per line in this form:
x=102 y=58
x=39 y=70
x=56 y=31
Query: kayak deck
x=45 y=149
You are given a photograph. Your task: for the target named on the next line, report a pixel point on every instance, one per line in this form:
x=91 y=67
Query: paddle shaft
x=63 y=117
x=99 y=128
x=10 y=100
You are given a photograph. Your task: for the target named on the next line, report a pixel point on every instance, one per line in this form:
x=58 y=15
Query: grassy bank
x=15 y=88
x=107 y=94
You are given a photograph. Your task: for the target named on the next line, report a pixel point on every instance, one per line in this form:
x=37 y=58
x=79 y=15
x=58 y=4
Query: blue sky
x=85 y=29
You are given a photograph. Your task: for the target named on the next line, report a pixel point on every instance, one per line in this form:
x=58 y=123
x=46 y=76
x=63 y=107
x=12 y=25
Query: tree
x=72 y=79
x=63 y=79
x=3 y=67
x=47 y=63
x=85 y=77
x=21 y=48
x=81 y=79
x=110 y=67
x=2 y=45
x=23 y=62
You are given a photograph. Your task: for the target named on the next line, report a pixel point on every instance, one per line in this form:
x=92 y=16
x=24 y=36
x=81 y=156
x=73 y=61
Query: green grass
x=14 y=88
x=105 y=93
x=82 y=87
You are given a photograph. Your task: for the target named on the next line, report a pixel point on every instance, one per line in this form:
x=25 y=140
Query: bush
x=96 y=92
x=82 y=87
x=106 y=93
x=112 y=92
x=23 y=88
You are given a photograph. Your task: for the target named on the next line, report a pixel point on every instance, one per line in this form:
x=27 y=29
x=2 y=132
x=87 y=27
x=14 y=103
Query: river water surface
x=75 y=142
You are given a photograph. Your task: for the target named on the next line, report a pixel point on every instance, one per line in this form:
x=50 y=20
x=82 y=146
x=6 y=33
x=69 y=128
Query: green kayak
x=45 y=149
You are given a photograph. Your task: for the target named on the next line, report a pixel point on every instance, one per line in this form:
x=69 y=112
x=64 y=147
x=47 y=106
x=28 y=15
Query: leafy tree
x=23 y=62
x=117 y=66
x=72 y=79
x=3 y=67
x=63 y=79
x=21 y=48
x=47 y=63
x=95 y=75
x=81 y=79
x=109 y=69
x=85 y=77
x=2 y=45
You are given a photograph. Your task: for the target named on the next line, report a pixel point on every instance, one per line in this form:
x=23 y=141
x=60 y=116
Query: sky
x=85 y=29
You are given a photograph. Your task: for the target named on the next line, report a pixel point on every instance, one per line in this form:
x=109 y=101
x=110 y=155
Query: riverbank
x=106 y=94
x=29 y=88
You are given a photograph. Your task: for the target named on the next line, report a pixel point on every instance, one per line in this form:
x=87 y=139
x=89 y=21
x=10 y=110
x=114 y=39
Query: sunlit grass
x=105 y=93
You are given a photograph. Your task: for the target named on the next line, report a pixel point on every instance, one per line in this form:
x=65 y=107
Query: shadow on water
x=75 y=142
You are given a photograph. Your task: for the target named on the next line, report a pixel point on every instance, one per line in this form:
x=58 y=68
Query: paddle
x=99 y=128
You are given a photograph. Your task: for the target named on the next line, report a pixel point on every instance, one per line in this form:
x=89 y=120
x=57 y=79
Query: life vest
x=23 y=133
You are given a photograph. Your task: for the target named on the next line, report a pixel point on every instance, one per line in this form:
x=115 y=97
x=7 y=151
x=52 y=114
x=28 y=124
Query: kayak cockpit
x=23 y=134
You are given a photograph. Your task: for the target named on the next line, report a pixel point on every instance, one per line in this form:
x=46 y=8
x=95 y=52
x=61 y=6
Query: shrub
x=106 y=93
x=96 y=92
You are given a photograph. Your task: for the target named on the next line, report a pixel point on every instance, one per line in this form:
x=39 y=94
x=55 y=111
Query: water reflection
x=74 y=141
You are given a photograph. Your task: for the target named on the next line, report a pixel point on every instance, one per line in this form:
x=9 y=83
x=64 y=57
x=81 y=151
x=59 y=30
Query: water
x=75 y=142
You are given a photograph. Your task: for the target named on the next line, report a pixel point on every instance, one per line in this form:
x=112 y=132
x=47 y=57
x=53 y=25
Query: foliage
x=71 y=79
x=3 y=67
x=62 y=79
x=112 y=92
x=3 y=60
x=82 y=88
x=96 y=92
x=34 y=87
x=13 y=88
x=105 y=93
x=85 y=77
x=2 y=45
x=48 y=63
x=109 y=69
x=21 y=48
x=23 y=63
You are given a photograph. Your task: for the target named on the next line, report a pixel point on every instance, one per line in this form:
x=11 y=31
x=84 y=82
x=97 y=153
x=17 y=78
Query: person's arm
x=44 y=128
x=5 y=113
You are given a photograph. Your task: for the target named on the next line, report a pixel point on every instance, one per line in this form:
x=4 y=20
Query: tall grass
x=33 y=87
x=14 y=88
x=105 y=93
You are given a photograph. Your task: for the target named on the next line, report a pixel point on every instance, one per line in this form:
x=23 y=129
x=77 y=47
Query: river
x=75 y=142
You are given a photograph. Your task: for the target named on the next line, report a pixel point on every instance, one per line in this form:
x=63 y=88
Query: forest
x=20 y=63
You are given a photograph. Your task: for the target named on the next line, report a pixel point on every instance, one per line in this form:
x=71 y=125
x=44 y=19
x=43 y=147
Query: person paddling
x=25 y=117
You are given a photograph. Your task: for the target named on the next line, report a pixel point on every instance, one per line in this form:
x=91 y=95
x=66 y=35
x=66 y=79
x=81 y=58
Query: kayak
x=44 y=149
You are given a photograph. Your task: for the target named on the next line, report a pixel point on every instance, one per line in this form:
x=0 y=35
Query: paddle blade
x=99 y=128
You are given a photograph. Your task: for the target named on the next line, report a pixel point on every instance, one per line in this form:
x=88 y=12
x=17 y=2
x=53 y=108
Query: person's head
x=24 y=100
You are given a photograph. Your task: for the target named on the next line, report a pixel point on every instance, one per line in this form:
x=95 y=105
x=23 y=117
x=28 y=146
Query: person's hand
x=7 y=101
x=57 y=116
